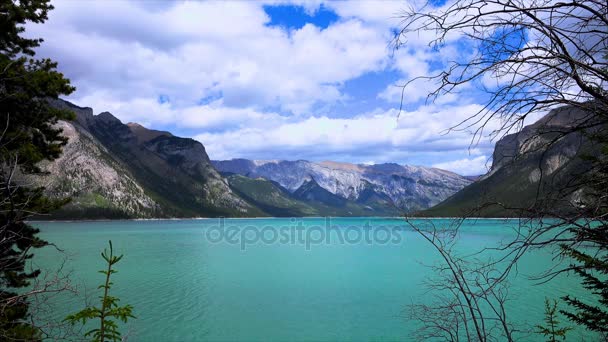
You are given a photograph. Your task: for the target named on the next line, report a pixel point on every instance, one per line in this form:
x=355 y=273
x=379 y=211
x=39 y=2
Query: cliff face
x=409 y=187
x=99 y=185
x=547 y=136
x=528 y=168
x=119 y=170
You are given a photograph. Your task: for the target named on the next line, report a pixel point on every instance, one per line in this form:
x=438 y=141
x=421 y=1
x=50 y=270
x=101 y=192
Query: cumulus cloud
x=380 y=136
x=195 y=48
x=247 y=89
x=384 y=14
x=467 y=166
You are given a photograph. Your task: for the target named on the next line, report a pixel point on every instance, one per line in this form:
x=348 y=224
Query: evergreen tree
x=590 y=256
x=109 y=310
x=594 y=273
x=27 y=137
x=552 y=330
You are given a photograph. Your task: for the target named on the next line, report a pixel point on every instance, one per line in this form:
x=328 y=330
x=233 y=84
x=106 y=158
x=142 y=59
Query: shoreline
x=273 y=218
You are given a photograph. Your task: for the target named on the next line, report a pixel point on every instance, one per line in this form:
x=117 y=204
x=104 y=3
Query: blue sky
x=293 y=17
x=268 y=80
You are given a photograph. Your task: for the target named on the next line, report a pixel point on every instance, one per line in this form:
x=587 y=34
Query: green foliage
x=594 y=273
x=27 y=137
x=14 y=15
x=269 y=197
x=552 y=330
x=108 y=328
x=590 y=261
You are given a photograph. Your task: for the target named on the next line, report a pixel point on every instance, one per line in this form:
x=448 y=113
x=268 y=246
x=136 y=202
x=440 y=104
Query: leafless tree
x=539 y=54
x=528 y=57
x=468 y=303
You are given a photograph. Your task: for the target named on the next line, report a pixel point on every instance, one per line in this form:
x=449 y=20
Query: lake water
x=187 y=282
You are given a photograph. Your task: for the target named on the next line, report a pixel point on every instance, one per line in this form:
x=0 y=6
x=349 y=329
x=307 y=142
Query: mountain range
x=115 y=170
x=406 y=187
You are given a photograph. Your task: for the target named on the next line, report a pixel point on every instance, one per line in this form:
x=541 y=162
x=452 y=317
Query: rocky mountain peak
x=145 y=134
x=107 y=118
x=535 y=137
x=408 y=187
x=341 y=166
x=538 y=166
x=310 y=190
x=84 y=115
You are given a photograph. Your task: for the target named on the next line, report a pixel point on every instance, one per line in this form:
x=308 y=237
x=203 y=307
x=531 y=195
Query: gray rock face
x=548 y=140
x=409 y=187
x=538 y=137
x=136 y=172
x=538 y=168
x=98 y=184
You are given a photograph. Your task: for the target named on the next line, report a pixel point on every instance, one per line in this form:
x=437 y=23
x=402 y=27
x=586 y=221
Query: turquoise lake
x=185 y=285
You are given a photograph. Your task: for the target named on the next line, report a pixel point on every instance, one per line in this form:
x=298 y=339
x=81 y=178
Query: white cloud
x=251 y=90
x=215 y=115
x=408 y=92
x=193 y=49
x=378 y=135
x=385 y=13
x=468 y=167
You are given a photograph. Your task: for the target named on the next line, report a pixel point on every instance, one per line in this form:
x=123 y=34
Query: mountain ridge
x=408 y=187
x=174 y=172
x=528 y=169
x=115 y=170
